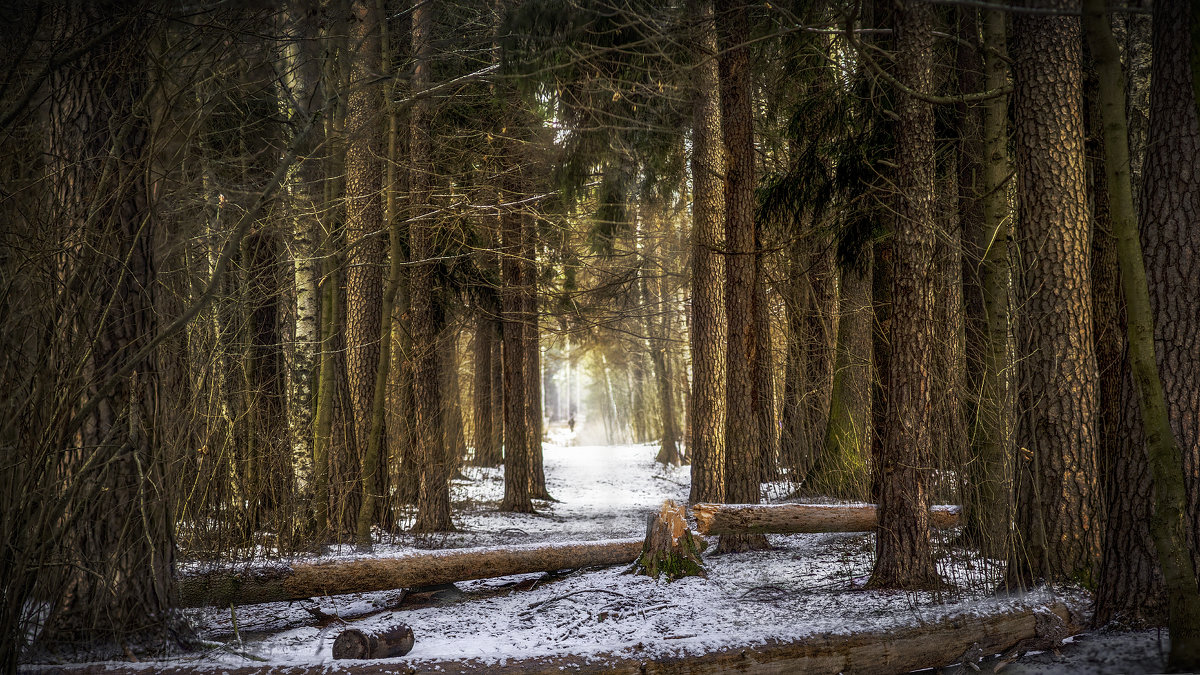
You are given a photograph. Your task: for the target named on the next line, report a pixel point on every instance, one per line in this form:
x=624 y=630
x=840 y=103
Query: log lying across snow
x=894 y=650
x=307 y=580
x=799 y=518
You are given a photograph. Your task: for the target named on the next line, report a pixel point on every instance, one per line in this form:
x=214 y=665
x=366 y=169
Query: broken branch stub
x=669 y=548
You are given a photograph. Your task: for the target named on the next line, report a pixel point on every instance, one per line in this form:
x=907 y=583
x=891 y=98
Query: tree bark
x=904 y=558
x=280 y=583
x=1057 y=532
x=115 y=542
x=386 y=643
x=800 y=518
x=365 y=248
x=433 y=467
x=1169 y=521
x=742 y=451
x=709 y=330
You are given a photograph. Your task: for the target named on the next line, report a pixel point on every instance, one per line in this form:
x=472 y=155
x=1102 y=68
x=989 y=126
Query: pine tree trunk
x=1129 y=591
x=1171 y=518
x=903 y=557
x=1171 y=241
x=433 y=490
x=365 y=248
x=1057 y=531
x=116 y=549
x=742 y=452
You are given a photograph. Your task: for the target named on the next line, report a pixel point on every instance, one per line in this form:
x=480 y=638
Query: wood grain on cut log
x=381 y=643
x=279 y=583
x=669 y=548
x=895 y=650
x=799 y=518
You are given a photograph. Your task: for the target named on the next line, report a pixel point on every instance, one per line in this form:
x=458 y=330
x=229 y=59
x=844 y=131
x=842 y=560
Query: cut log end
x=386 y=643
x=669 y=547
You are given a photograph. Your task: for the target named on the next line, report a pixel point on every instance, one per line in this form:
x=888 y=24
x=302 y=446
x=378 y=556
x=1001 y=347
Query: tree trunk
x=309 y=580
x=799 y=518
x=1129 y=591
x=987 y=486
x=742 y=452
x=303 y=77
x=903 y=555
x=1171 y=241
x=365 y=248
x=1170 y=521
x=1057 y=532
x=116 y=547
x=669 y=548
x=842 y=469
x=433 y=489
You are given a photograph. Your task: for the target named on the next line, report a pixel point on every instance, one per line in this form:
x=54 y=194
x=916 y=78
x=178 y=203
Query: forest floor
x=806 y=585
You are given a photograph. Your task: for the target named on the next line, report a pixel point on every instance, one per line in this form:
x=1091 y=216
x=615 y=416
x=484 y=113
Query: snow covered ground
x=806 y=585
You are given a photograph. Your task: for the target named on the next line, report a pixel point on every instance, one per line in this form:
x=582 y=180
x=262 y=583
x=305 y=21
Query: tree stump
x=384 y=643
x=669 y=548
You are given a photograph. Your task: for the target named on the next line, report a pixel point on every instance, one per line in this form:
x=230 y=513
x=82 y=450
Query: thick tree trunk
x=800 y=518
x=279 y=583
x=1170 y=521
x=1171 y=239
x=742 y=452
x=904 y=558
x=116 y=549
x=709 y=330
x=1057 y=531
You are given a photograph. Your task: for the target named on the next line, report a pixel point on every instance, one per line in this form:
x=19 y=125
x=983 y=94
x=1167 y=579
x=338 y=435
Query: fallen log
x=895 y=650
x=385 y=643
x=276 y=583
x=800 y=518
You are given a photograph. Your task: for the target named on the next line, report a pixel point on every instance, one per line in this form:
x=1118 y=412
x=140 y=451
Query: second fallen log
x=384 y=643
x=800 y=518
x=306 y=580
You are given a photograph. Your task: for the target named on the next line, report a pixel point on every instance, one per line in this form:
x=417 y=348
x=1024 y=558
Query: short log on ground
x=383 y=643
x=669 y=548
x=800 y=518
x=280 y=583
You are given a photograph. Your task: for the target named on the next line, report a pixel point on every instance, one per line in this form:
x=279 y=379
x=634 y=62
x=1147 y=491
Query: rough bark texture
x=1057 y=533
x=1129 y=591
x=116 y=549
x=903 y=555
x=433 y=490
x=742 y=451
x=533 y=354
x=1170 y=206
x=793 y=518
x=365 y=248
x=709 y=330
x=279 y=583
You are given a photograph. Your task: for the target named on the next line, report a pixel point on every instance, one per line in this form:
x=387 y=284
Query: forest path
x=602 y=492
